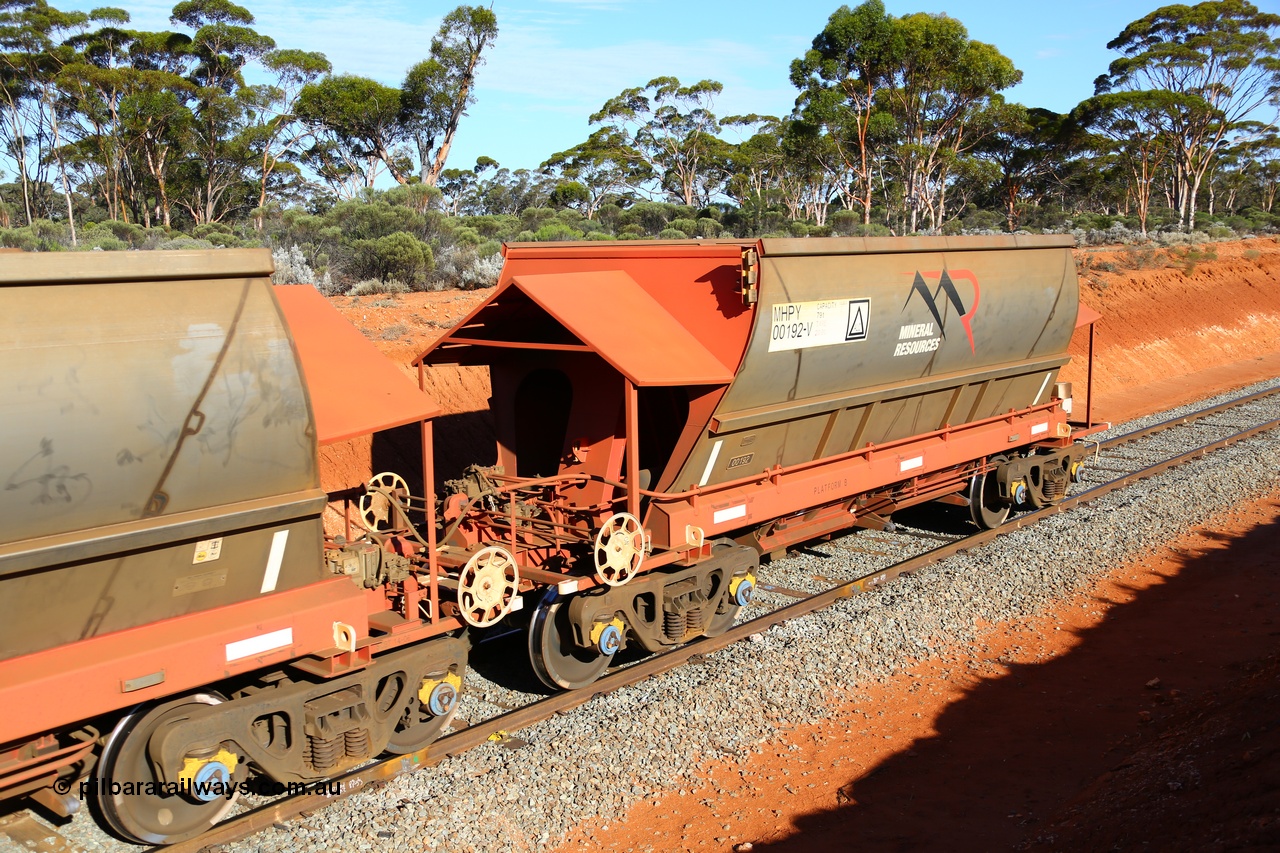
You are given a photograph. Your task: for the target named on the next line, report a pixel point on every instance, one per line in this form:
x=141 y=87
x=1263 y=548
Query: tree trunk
x=1195 y=190
x=62 y=169
x=455 y=117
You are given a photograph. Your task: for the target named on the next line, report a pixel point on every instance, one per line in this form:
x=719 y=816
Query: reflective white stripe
x=723 y=515
x=517 y=603
x=711 y=463
x=274 y=559
x=1043 y=385
x=1040 y=429
x=911 y=464
x=259 y=644
x=567 y=587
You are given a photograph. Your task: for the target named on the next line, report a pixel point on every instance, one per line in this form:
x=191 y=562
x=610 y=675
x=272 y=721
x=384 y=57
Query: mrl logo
x=916 y=338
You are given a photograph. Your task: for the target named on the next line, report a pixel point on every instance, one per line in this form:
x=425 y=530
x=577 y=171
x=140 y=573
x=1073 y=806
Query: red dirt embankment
x=1176 y=322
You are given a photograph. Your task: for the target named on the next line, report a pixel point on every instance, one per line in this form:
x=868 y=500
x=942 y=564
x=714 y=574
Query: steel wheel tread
x=557 y=661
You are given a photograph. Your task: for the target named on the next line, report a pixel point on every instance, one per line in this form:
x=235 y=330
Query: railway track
x=1129 y=458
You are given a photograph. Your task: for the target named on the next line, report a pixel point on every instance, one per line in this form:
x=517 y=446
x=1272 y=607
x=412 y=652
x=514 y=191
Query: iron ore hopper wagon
x=173 y=614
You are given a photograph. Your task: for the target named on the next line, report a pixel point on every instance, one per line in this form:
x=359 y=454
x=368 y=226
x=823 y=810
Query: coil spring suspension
x=693 y=621
x=325 y=754
x=673 y=625
x=1055 y=486
x=357 y=743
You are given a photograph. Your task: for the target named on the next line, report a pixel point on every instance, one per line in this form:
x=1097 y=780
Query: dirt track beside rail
x=1138 y=716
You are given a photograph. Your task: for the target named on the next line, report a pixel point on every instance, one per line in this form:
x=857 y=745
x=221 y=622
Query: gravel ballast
x=655 y=737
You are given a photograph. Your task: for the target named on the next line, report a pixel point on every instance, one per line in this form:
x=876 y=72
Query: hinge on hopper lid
x=750 y=274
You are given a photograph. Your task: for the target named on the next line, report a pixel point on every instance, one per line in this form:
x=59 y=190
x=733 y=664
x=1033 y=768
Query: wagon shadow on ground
x=1018 y=748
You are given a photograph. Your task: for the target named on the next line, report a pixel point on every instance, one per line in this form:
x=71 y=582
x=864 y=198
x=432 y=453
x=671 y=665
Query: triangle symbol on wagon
x=857 y=321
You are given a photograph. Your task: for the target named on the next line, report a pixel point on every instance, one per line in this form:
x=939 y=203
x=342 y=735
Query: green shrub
x=130 y=232
x=44 y=229
x=556 y=231
x=183 y=242
x=650 y=215
x=687 y=226
x=844 y=222
x=798 y=229
x=399 y=256
x=18 y=238
x=672 y=234
x=103 y=240
x=532 y=218
x=372 y=286
x=466 y=236
x=707 y=227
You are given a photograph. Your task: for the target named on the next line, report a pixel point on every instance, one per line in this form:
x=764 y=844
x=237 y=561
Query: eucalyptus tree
x=1261 y=160
x=855 y=58
x=1138 y=130
x=758 y=168
x=1026 y=146
x=157 y=120
x=1216 y=63
x=221 y=45
x=437 y=91
x=355 y=124
x=605 y=166
x=939 y=101
x=675 y=131
x=275 y=131
x=34 y=49
x=92 y=86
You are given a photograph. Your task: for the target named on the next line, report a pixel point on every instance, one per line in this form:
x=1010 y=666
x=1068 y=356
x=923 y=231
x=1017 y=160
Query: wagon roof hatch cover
x=617 y=318
x=354 y=388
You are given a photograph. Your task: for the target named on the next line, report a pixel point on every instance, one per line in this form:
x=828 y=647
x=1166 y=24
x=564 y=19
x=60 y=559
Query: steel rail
x=494 y=728
x=1190 y=418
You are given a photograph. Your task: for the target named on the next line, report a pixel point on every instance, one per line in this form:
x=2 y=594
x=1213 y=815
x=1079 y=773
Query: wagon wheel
x=376 y=507
x=557 y=660
x=424 y=720
x=619 y=549
x=986 y=508
x=739 y=595
x=488 y=586
x=157 y=818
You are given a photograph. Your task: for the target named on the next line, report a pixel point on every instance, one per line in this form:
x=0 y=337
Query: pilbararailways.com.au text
x=202 y=790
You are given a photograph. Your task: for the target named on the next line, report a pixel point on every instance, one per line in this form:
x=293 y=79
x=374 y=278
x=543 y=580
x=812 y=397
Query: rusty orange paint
x=690 y=282
x=1087 y=316
x=610 y=313
x=65 y=684
x=354 y=389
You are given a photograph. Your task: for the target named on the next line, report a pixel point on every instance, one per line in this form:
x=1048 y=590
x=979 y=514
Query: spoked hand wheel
x=377 y=508
x=619 y=549
x=488 y=586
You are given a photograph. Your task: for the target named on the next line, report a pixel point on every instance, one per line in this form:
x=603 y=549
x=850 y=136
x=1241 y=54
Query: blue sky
x=557 y=61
